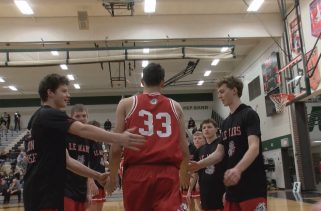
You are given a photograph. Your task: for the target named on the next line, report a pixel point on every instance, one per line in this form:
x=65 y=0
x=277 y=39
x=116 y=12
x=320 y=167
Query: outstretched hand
x=102 y=178
x=193 y=166
x=130 y=140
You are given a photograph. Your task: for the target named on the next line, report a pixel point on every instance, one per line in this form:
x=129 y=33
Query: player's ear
x=143 y=82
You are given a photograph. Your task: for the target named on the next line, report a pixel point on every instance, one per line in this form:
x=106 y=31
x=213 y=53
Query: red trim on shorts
x=100 y=197
x=194 y=194
x=251 y=204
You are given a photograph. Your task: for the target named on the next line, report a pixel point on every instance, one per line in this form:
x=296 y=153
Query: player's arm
x=82 y=170
x=192 y=181
x=115 y=150
x=126 y=139
x=214 y=158
x=92 y=188
x=232 y=176
x=183 y=173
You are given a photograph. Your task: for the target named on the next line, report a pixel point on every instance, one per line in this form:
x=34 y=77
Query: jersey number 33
x=164 y=120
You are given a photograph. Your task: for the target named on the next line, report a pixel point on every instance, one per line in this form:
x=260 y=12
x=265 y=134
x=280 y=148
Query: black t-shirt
x=235 y=131
x=191 y=149
x=76 y=186
x=210 y=178
x=97 y=161
x=46 y=153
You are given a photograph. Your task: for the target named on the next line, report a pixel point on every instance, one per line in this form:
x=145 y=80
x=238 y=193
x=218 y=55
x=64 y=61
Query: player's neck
x=234 y=105
x=148 y=90
x=51 y=104
x=211 y=139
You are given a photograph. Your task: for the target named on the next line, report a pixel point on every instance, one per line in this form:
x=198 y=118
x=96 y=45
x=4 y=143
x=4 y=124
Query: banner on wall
x=270 y=69
x=271 y=80
x=315 y=78
x=315 y=17
x=295 y=44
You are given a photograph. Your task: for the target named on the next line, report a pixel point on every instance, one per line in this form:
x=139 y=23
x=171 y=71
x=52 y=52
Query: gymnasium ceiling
x=94 y=78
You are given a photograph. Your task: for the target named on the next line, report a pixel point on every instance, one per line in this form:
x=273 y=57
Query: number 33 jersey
x=154 y=116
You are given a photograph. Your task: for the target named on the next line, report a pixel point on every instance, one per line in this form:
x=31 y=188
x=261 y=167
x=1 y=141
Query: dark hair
x=94 y=122
x=232 y=82
x=51 y=82
x=153 y=74
x=77 y=108
x=213 y=122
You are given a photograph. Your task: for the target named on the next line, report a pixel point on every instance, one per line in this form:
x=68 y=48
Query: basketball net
x=280 y=100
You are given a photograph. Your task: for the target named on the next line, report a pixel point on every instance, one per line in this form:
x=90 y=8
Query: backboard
x=294 y=79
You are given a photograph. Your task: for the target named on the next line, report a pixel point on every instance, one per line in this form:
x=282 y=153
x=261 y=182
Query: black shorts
x=212 y=196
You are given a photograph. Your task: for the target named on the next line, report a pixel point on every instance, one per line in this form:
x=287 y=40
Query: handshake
x=105 y=180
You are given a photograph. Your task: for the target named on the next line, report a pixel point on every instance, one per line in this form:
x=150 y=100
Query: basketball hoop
x=280 y=100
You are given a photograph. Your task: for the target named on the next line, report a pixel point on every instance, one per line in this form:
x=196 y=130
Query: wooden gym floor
x=277 y=201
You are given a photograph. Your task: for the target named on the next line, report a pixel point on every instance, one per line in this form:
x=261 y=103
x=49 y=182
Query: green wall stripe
x=98 y=100
x=275 y=143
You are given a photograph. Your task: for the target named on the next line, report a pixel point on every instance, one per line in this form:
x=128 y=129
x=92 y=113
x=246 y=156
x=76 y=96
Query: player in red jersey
x=152 y=177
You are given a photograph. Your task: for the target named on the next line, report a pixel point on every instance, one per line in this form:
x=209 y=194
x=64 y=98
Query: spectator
x=191 y=123
x=21 y=159
x=17 y=121
x=4 y=120
x=107 y=125
x=14 y=189
x=4 y=190
x=8 y=121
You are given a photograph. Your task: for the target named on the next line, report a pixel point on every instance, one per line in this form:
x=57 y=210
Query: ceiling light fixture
x=144 y=63
x=224 y=49
x=70 y=77
x=24 y=7
x=207 y=73
x=64 y=67
x=215 y=62
x=200 y=83
x=255 y=5
x=77 y=86
x=2 y=80
x=13 y=88
x=146 y=50
x=55 y=53
x=150 y=6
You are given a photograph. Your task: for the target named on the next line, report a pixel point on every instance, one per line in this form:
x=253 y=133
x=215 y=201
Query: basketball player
x=97 y=163
x=240 y=143
x=151 y=177
x=193 y=193
x=79 y=149
x=47 y=157
x=210 y=177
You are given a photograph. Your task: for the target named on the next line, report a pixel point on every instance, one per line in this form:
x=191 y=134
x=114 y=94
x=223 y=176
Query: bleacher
x=10 y=140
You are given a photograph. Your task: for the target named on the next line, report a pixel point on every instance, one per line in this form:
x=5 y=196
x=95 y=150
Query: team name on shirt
x=31 y=155
x=231 y=132
x=98 y=152
x=204 y=156
x=78 y=147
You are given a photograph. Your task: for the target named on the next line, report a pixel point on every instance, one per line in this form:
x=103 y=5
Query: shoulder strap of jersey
x=173 y=108
x=134 y=105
